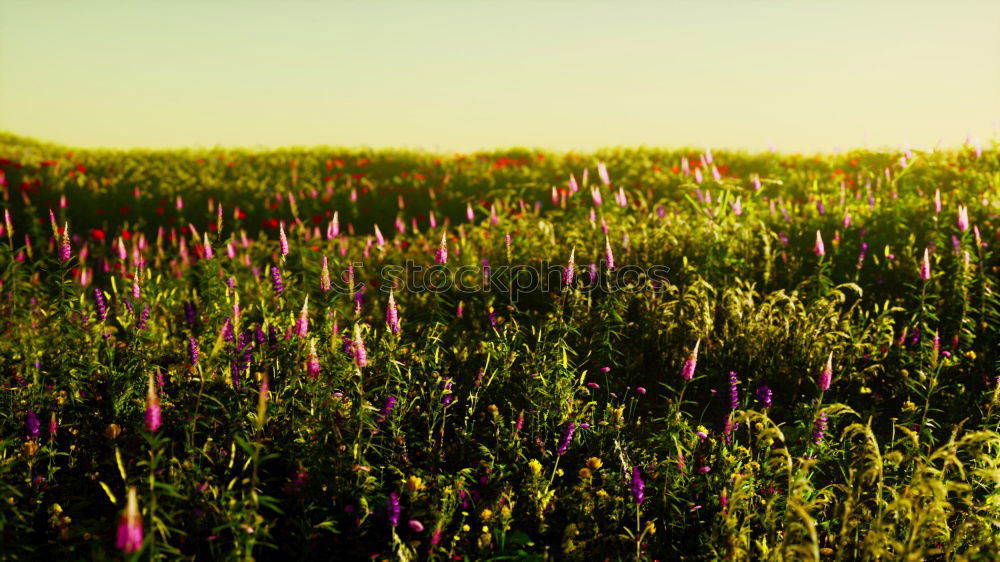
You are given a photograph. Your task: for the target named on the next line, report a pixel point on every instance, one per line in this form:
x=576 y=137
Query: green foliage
x=462 y=417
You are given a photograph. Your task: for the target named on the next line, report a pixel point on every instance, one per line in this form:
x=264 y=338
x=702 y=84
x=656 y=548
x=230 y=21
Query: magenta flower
x=638 y=487
x=65 y=251
x=609 y=257
x=360 y=353
x=566 y=438
x=963 y=218
x=826 y=375
x=692 y=361
x=32 y=425
x=207 y=247
x=393 y=509
x=333 y=229
x=283 y=240
x=925 y=266
x=602 y=172
x=324 y=277
x=302 y=323
x=595 y=195
x=764 y=395
x=441 y=257
x=569 y=272
x=379 y=238
x=620 y=197
x=392 y=315
x=312 y=362
x=819 y=248
x=153 y=418
x=129 y=537
x=937 y=201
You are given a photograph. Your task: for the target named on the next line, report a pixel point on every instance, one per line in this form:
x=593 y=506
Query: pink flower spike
x=826 y=375
x=129 y=537
x=153 y=415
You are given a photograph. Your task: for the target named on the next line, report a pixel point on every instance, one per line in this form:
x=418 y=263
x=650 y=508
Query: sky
x=437 y=75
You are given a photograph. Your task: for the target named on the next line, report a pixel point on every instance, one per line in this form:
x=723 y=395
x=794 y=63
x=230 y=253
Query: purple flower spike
x=276 y=280
x=692 y=362
x=101 y=305
x=638 y=487
x=819 y=427
x=32 y=425
x=392 y=315
x=764 y=395
x=826 y=375
x=193 y=351
x=390 y=403
x=566 y=438
x=393 y=509
x=734 y=393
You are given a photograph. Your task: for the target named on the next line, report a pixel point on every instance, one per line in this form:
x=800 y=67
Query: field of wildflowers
x=635 y=354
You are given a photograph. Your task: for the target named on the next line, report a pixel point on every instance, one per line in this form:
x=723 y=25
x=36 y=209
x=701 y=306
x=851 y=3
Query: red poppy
x=124 y=209
x=126 y=234
x=97 y=234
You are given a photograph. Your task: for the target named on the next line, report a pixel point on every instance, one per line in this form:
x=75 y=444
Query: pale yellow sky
x=458 y=75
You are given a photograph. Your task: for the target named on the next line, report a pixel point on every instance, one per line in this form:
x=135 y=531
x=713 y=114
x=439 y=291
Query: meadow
x=632 y=354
